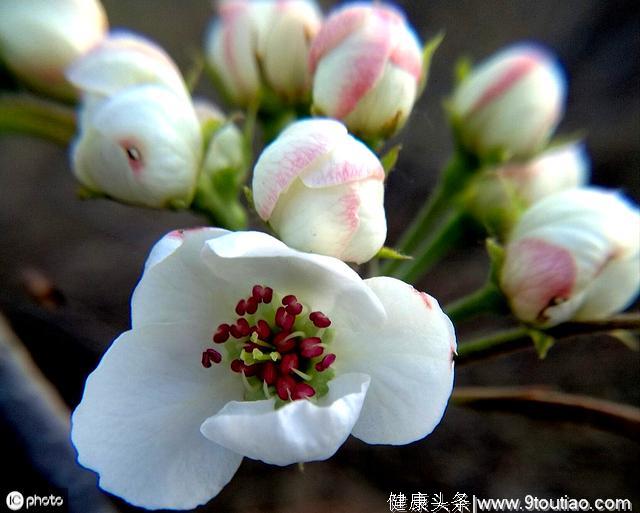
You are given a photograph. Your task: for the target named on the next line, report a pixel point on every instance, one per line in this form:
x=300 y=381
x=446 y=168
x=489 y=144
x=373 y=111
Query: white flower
x=366 y=63
x=322 y=191
x=169 y=413
x=142 y=146
x=511 y=102
x=39 y=39
x=573 y=255
x=252 y=42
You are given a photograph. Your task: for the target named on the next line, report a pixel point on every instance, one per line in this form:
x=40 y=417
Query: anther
x=289 y=362
x=310 y=347
x=294 y=308
x=240 y=329
x=284 y=319
x=241 y=307
x=326 y=362
x=262 y=329
x=287 y=300
x=302 y=391
x=268 y=373
x=251 y=305
x=283 y=343
x=206 y=363
x=222 y=334
x=319 y=320
x=285 y=387
x=210 y=355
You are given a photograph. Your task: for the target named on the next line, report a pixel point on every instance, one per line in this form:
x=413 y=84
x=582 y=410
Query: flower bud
x=366 y=63
x=141 y=146
x=573 y=255
x=253 y=43
x=510 y=103
x=39 y=39
x=322 y=191
x=498 y=195
x=123 y=60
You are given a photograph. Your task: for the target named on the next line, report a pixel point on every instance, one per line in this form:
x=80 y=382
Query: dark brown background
x=93 y=251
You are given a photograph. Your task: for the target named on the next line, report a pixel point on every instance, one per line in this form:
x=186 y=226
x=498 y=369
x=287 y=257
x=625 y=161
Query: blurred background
x=85 y=257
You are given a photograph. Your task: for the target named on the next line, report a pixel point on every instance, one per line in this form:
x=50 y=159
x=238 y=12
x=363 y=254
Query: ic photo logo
x=16 y=502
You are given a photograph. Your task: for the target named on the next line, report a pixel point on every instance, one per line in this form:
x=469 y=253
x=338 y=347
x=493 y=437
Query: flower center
x=277 y=345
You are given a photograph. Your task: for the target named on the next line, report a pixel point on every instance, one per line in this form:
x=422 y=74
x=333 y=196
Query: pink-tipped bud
x=574 y=255
x=367 y=66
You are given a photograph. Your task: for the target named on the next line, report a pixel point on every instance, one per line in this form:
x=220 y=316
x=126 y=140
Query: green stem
x=26 y=114
x=447 y=237
x=453 y=180
x=228 y=214
x=500 y=342
x=488 y=298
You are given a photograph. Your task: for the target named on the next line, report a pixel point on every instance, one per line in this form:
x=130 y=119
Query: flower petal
x=122 y=60
x=243 y=259
x=294 y=151
x=410 y=363
x=176 y=285
x=300 y=431
x=138 y=422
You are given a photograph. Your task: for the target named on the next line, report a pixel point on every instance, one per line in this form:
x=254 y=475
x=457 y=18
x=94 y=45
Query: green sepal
x=628 y=338
x=542 y=342
x=85 y=193
x=496 y=256
x=194 y=73
x=462 y=69
x=248 y=196
x=428 y=52
x=387 y=253
x=389 y=159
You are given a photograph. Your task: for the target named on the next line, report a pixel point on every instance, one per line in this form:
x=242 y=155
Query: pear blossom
x=39 y=39
x=367 y=65
x=498 y=195
x=142 y=146
x=139 y=139
x=574 y=255
x=241 y=346
x=265 y=42
x=322 y=191
x=512 y=102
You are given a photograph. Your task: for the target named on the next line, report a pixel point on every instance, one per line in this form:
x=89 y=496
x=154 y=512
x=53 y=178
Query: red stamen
x=294 y=308
x=257 y=292
x=262 y=329
x=240 y=329
x=237 y=365
x=269 y=373
x=326 y=362
x=302 y=391
x=289 y=361
x=319 y=320
x=214 y=355
x=267 y=295
x=206 y=363
x=287 y=300
x=251 y=305
x=241 y=307
x=285 y=387
x=222 y=334
x=310 y=348
x=282 y=345
x=284 y=319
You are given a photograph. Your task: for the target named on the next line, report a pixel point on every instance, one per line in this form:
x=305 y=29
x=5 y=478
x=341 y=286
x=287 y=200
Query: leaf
x=542 y=342
x=391 y=254
x=390 y=158
x=628 y=338
x=428 y=51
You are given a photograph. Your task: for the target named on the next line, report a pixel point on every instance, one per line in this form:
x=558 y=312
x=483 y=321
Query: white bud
x=322 y=191
x=141 y=146
x=573 y=255
x=366 y=64
x=498 y=195
x=252 y=43
x=39 y=39
x=511 y=102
